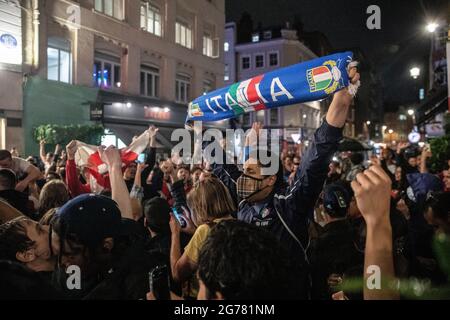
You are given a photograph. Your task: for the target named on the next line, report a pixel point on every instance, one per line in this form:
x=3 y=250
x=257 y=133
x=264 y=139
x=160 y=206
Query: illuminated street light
x=410 y=112
x=368 y=123
x=384 y=128
x=431 y=27
x=391 y=131
x=414 y=72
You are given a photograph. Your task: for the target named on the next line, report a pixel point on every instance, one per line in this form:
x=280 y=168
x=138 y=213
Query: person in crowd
x=99 y=235
x=373 y=191
x=406 y=157
x=196 y=171
x=25 y=241
x=235 y=245
x=287 y=168
x=54 y=194
x=48 y=159
x=19 y=200
x=334 y=251
x=209 y=203
x=334 y=173
x=357 y=160
x=264 y=199
x=25 y=172
x=14 y=152
x=20 y=283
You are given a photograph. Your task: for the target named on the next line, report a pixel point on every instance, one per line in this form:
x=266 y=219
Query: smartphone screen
x=141 y=158
x=160 y=283
x=179 y=217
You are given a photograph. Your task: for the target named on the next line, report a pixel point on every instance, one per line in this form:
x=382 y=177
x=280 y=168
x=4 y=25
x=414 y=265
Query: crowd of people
x=223 y=231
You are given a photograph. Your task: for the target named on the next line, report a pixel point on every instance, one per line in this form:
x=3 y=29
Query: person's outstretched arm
x=119 y=190
x=372 y=191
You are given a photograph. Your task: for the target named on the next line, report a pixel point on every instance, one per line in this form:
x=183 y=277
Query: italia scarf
x=308 y=81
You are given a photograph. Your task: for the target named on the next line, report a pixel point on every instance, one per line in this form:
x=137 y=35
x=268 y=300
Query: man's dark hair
x=439 y=202
x=356 y=158
x=13 y=239
x=5 y=154
x=8 y=179
x=242 y=261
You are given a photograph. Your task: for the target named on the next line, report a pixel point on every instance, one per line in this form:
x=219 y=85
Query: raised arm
x=33 y=174
x=42 y=151
x=313 y=169
x=111 y=157
x=372 y=191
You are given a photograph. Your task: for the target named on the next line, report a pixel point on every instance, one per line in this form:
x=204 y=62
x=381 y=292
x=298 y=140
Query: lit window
x=255 y=37
x=207 y=86
x=183 y=35
x=150 y=18
x=106 y=73
x=59 y=60
x=226 y=47
x=113 y=8
x=227 y=73
x=207 y=45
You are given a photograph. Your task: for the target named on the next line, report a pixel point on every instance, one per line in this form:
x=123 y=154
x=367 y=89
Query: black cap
x=336 y=200
x=91 y=218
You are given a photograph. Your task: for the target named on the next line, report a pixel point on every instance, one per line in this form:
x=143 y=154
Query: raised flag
x=88 y=156
x=303 y=82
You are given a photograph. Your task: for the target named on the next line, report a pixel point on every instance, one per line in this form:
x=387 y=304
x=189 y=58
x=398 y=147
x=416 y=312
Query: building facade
x=125 y=63
x=270 y=50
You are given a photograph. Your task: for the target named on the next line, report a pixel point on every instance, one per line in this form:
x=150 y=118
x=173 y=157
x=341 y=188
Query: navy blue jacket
x=295 y=204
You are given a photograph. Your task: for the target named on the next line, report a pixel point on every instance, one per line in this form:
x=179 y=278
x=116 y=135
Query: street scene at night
x=249 y=151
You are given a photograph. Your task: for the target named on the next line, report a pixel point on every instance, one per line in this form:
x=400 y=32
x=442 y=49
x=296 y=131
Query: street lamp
x=368 y=123
x=414 y=72
x=431 y=27
x=391 y=131
x=410 y=112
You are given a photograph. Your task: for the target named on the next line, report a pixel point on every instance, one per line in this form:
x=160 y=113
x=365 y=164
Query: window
x=226 y=46
x=207 y=86
x=149 y=81
x=207 y=45
x=106 y=71
x=113 y=8
x=273 y=59
x=267 y=35
x=260 y=115
x=59 y=60
x=245 y=62
x=259 y=61
x=183 y=34
x=227 y=73
x=150 y=18
x=182 y=88
x=274 y=116
x=255 y=37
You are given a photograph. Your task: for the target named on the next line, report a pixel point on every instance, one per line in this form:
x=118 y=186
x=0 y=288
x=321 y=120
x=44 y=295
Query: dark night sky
x=400 y=44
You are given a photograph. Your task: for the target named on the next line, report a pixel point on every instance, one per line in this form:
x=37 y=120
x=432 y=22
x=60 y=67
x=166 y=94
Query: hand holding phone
x=142 y=158
x=177 y=212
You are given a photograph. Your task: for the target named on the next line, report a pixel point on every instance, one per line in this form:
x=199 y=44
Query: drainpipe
x=35 y=13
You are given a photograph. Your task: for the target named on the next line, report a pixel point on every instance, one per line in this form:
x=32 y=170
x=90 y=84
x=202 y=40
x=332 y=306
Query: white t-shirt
x=19 y=166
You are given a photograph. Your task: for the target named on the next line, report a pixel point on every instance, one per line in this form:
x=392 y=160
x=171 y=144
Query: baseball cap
x=336 y=200
x=91 y=218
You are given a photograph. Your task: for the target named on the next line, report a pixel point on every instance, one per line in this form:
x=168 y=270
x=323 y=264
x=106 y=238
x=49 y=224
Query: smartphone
x=159 y=282
x=179 y=216
x=142 y=158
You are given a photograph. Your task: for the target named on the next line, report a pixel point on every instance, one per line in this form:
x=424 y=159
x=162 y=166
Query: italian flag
x=244 y=96
x=322 y=77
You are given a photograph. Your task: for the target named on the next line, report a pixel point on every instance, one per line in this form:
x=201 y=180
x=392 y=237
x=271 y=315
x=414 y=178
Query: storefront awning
x=433 y=105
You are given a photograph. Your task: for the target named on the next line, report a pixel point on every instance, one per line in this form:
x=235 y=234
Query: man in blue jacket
x=267 y=202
